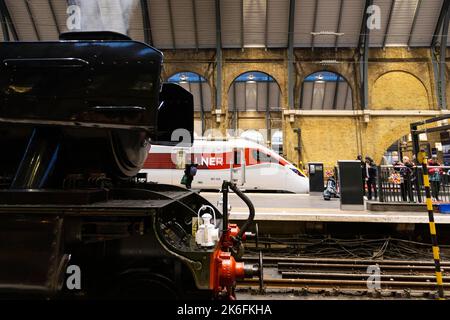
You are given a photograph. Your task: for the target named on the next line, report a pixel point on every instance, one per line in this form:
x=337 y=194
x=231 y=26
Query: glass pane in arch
x=325 y=90
x=198 y=86
x=254 y=91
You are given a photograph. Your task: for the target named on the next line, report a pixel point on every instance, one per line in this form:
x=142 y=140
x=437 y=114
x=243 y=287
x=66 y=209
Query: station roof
x=185 y=24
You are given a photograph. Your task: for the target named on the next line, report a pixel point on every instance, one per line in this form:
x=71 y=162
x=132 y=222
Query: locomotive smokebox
x=87 y=104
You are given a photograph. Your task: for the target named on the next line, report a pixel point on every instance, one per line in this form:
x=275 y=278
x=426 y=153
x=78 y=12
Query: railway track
x=334 y=276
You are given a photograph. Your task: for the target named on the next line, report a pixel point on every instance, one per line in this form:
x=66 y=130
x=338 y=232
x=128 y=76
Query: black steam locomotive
x=77 y=119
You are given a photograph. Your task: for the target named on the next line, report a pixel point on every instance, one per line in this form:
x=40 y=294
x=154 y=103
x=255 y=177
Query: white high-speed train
x=250 y=165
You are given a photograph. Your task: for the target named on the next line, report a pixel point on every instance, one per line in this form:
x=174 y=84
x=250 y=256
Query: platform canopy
x=191 y=24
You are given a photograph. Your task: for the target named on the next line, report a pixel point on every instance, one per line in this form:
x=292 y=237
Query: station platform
x=305 y=208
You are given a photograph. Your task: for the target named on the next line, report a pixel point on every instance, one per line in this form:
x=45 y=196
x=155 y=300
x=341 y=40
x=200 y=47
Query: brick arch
x=171 y=69
x=250 y=71
x=235 y=76
x=229 y=78
x=330 y=70
x=347 y=72
x=227 y=92
x=378 y=139
x=325 y=70
x=231 y=72
x=385 y=143
x=167 y=75
x=399 y=89
x=208 y=79
x=200 y=70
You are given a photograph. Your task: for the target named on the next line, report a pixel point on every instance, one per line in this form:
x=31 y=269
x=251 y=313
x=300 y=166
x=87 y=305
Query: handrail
x=415 y=166
x=251 y=208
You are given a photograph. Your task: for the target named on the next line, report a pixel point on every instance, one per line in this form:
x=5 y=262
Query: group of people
x=435 y=175
x=406 y=172
x=407 y=176
x=369 y=176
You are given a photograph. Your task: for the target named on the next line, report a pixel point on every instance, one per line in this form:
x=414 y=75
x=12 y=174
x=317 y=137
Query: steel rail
x=327 y=283
x=274 y=259
x=288 y=265
x=322 y=275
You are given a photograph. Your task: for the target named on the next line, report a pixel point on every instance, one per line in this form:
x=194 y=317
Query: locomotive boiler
x=77 y=119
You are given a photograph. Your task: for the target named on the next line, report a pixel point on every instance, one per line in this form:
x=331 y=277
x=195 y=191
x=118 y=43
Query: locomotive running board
x=35 y=239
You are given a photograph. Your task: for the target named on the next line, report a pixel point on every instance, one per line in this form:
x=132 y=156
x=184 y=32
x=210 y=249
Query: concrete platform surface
x=300 y=207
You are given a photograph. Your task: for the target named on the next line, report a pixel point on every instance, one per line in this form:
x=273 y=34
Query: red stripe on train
x=210 y=161
x=159 y=161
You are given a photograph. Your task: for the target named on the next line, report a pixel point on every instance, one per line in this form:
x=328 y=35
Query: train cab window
x=260 y=156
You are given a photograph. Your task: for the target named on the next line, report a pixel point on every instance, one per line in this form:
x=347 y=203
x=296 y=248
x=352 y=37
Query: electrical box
x=316 y=179
x=350 y=184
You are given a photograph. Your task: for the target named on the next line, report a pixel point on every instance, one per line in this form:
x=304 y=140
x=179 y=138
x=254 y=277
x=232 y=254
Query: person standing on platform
x=371 y=178
x=363 y=174
x=190 y=171
x=435 y=176
x=399 y=168
x=408 y=179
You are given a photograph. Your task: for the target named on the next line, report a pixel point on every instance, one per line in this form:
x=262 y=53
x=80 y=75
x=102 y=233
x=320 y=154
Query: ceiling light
x=251 y=78
x=183 y=78
x=325 y=62
x=327 y=33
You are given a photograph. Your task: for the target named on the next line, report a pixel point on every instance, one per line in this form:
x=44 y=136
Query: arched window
x=326 y=90
x=200 y=89
x=198 y=86
x=254 y=91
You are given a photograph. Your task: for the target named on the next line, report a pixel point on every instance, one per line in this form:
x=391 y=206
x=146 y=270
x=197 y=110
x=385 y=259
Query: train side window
x=236 y=157
x=180 y=159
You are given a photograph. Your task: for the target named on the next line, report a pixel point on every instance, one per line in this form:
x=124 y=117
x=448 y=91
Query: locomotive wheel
x=146 y=286
x=129 y=149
